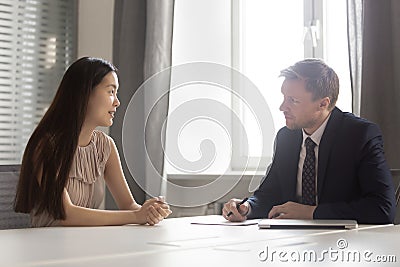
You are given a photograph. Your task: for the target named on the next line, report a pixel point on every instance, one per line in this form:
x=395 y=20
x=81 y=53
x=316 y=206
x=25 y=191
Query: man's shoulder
x=353 y=124
x=349 y=119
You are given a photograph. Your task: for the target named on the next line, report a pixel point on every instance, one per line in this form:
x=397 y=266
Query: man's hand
x=237 y=215
x=292 y=210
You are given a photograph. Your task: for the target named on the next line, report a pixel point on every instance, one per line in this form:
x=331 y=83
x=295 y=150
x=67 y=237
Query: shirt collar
x=317 y=135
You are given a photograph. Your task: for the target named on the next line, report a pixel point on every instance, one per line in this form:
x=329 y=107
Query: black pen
x=237 y=206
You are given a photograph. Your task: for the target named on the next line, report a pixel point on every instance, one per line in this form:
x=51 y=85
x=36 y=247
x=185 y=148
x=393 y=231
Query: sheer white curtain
x=354 y=31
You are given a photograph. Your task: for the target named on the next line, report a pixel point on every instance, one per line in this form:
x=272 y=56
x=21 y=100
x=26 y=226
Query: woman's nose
x=116 y=102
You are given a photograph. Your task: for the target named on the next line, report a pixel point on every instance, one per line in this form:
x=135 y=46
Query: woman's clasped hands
x=153 y=211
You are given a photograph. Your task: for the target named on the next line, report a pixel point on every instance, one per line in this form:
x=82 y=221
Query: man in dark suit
x=327 y=164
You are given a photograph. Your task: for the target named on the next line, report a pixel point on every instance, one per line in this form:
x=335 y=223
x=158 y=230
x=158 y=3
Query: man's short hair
x=320 y=79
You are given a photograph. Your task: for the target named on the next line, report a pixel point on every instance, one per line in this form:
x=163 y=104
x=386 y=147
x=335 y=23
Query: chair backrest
x=396 y=181
x=9 y=219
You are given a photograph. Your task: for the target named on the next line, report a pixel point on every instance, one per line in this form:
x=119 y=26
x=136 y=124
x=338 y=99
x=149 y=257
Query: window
x=269 y=36
x=201 y=33
x=259 y=38
x=37 y=43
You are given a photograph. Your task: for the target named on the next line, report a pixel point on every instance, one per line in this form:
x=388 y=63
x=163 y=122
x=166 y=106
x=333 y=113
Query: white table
x=177 y=242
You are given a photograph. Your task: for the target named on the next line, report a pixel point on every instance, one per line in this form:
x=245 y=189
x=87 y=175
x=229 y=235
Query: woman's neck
x=85 y=136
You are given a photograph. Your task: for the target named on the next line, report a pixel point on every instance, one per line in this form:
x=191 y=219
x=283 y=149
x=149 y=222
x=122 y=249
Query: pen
x=238 y=205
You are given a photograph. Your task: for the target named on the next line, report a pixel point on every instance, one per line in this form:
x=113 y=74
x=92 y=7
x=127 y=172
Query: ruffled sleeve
x=89 y=161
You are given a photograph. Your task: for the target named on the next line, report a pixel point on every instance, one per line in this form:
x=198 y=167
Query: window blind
x=37 y=43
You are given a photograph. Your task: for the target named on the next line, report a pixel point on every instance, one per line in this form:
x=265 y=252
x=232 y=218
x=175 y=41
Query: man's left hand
x=292 y=210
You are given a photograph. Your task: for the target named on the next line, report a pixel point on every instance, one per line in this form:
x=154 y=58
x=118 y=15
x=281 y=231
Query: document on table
x=219 y=220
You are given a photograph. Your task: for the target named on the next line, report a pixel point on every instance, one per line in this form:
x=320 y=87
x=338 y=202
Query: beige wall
x=95 y=28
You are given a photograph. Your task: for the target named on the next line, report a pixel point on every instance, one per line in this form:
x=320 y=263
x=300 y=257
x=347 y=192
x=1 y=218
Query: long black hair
x=50 y=151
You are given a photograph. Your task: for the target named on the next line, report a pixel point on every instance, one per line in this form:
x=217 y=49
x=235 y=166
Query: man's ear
x=324 y=103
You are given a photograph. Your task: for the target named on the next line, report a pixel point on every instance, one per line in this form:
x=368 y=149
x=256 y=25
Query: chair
x=8 y=182
x=396 y=180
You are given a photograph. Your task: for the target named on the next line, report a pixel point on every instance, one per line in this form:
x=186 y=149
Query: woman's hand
x=153 y=211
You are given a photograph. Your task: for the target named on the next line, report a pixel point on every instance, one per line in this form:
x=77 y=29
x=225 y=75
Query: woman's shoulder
x=89 y=161
x=101 y=137
x=103 y=143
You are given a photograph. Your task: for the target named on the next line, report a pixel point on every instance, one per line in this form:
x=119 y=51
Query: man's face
x=299 y=108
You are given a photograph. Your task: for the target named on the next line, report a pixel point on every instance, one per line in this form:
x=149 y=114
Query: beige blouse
x=85 y=185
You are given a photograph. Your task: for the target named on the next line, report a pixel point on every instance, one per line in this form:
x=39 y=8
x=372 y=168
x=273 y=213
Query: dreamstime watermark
x=339 y=254
x=152 y=96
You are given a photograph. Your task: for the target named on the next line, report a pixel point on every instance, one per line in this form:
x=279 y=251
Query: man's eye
x=294 y=101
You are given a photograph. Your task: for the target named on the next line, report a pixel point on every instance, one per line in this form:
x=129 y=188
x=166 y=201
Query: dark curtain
x=128 y=56
x=142 y=36
x=158 y=58
x=380 y=92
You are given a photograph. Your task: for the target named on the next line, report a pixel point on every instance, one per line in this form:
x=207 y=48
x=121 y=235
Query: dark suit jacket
x=354 y=181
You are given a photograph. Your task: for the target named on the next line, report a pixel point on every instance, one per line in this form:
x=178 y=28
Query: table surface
x=177 y=242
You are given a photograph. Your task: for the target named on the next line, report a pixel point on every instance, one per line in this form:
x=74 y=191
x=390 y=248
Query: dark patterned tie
x=308 y=174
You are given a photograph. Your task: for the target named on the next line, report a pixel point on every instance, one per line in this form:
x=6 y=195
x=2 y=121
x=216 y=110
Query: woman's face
x=103 y=102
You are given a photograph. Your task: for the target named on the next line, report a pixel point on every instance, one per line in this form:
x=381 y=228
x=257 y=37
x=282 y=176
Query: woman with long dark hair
x=67 y=163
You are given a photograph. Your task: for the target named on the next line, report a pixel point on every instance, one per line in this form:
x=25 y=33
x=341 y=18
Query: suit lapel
x=326 y=144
